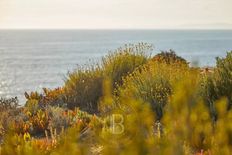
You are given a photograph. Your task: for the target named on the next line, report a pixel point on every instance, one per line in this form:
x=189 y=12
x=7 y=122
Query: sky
x=116 y=14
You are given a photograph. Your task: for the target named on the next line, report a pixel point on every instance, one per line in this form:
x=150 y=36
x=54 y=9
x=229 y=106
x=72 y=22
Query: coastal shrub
x=60 y=118
x=223 y=78
x=51 y=97
x=218 y=84
x=57 y=118
x=152 y=84
x=187 y=119
x=54 y=97
x=17 y=145
x=9 y=108
x=137 y=136
x=187 y=130
x=6 y=104
x=124 y=60
x=187 y=125
x=19 y=123
x=169 y=57
x=39 y=122
x=169 y=91
x=83 y=89
x=32 y=106
x=157 y=104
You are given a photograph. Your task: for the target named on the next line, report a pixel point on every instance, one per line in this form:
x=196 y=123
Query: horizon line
x=116 y=29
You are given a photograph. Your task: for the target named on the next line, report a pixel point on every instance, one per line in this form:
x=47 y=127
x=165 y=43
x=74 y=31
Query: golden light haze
x=116 y=14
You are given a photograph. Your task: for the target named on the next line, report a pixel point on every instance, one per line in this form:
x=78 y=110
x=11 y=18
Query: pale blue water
x=33 y=59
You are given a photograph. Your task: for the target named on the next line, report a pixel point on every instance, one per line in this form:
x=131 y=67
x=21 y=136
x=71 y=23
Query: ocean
x=33 y=59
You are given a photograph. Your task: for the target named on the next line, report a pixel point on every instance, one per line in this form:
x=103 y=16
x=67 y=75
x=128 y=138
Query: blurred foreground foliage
x=129 y=104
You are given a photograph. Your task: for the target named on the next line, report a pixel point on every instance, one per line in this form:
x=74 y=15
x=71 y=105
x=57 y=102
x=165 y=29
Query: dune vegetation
x=129 y=103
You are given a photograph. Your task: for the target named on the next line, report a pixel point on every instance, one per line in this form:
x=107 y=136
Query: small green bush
x=49 y=97
x=224 y=78
x=57 y=120
x=219 y=83
x=83 y=88
x=9 y=108
x=124 y=61
x=7 y=104
x=169 y=57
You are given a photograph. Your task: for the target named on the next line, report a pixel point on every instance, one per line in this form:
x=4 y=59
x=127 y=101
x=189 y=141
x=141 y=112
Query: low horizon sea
x=33 y=59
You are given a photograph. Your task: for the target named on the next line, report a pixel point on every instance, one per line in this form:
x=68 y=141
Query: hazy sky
x=95 y=14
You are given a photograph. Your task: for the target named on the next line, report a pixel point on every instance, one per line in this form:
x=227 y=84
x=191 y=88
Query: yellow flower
x=26 y=136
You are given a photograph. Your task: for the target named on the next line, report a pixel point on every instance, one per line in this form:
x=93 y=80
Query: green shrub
x=60 y=118
x=169 y=57
x=49 y=97
x=224 y=78
x=9 y=108
x=8 y=104
x=83 y=88
x=152 y=84
x=57 y=120
x=187 y=119
x=124 y=61
x=219 y=83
